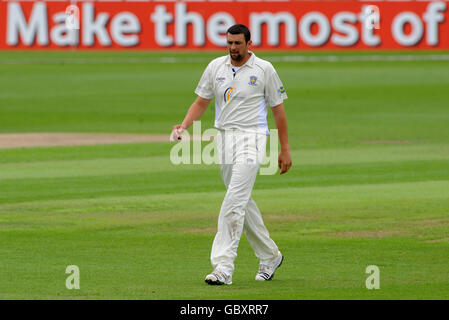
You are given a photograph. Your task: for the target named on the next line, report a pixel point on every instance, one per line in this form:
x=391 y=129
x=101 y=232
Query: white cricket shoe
x=218 y=278
x=266 y=271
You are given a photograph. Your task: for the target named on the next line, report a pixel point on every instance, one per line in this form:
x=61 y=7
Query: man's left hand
x=284 y=161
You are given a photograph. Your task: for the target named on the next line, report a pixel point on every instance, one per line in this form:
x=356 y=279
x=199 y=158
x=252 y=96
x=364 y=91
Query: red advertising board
x=293 y=25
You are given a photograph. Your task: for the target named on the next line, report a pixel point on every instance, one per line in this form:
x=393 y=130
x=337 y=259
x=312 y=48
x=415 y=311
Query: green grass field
x=369 y=183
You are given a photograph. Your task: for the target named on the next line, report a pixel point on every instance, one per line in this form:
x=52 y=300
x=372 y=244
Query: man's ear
x=250 y=43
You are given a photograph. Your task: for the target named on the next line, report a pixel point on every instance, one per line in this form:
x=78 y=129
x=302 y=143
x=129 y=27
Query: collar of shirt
x=248 y=63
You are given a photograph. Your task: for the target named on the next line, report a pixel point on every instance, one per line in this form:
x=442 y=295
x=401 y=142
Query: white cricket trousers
x=240 y=154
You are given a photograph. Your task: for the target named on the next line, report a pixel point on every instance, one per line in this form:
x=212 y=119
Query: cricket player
x=244 y=86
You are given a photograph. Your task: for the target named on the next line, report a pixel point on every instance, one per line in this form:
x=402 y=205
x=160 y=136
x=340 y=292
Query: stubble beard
x=236 y=58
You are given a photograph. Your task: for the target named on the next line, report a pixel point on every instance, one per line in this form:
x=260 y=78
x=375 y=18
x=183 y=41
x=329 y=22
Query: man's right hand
x=176 y=134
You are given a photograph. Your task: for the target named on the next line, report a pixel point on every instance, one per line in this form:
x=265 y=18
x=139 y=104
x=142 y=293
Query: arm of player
x=195 y=112
x=284 y=160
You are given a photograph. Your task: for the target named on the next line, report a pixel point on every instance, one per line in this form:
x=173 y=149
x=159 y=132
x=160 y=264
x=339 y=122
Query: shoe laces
x=263 y=268
x=220 y=274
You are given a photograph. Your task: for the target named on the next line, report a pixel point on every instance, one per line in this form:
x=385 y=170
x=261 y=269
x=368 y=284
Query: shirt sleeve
x=275 y=92
x=205 y=88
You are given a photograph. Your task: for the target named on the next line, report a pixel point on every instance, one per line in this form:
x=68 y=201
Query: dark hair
x=239 y=29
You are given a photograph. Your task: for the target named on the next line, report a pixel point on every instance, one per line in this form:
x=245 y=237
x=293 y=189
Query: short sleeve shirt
x=242 y=97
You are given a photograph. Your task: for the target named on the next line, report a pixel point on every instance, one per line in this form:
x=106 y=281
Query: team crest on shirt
x=252 y=81
x=281 y=91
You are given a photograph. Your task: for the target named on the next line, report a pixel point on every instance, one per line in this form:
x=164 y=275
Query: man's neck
x=241 y=62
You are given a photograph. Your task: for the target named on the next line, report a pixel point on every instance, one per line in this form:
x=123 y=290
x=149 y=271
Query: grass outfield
x=369 y=183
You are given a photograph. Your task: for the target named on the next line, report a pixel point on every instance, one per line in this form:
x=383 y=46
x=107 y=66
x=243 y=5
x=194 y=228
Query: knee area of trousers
x=234 y=210
x=236 y=197
x=233 y=215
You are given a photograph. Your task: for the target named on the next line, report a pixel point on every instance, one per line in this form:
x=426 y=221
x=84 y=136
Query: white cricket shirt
x=241 y=98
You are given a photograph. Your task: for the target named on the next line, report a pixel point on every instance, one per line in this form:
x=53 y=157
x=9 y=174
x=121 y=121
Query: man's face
x=237 y=46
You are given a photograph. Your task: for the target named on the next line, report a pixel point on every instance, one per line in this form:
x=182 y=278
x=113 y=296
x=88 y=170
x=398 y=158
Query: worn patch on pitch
x=365 y=234
x=438 y=240
x=387 y=141
x=23 y=140
x=206 y=230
